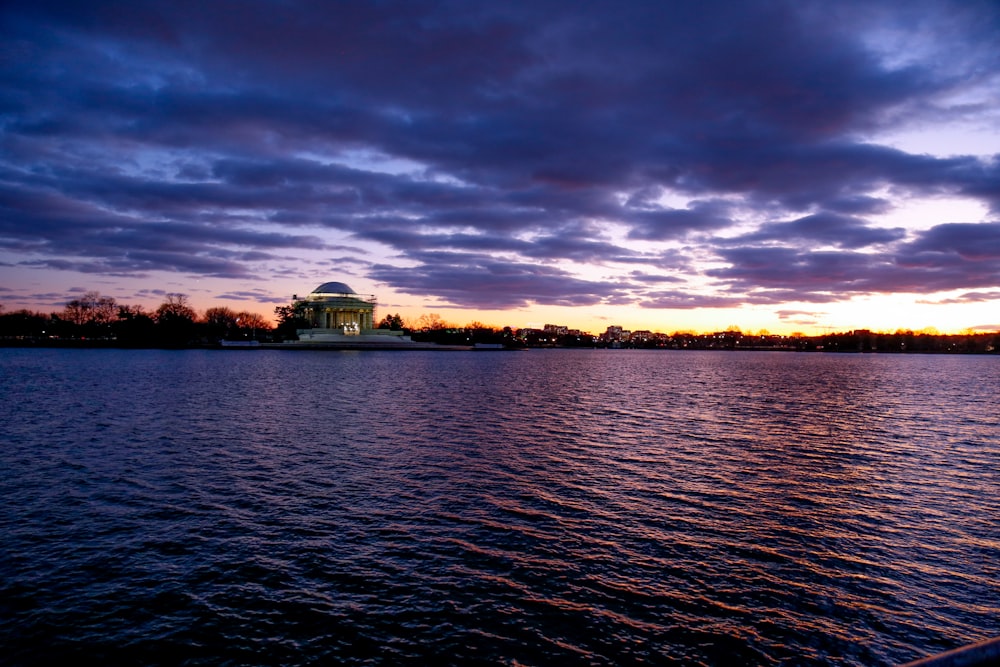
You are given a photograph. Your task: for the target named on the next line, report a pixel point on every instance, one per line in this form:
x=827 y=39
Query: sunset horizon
x=573 y=319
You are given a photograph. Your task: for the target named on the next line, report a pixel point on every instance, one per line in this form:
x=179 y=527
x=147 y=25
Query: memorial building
x=340 y=318
x=334 y=308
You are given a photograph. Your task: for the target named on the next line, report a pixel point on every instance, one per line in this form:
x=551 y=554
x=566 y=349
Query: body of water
x=591 y=507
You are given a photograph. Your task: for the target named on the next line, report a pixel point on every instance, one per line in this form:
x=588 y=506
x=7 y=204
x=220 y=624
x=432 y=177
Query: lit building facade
x=335 y=308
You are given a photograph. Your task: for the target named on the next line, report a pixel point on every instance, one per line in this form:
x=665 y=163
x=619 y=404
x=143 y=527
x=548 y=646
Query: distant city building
x=641 y=336
x=615 y=334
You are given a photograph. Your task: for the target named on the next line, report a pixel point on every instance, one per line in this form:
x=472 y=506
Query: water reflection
x=604 y=507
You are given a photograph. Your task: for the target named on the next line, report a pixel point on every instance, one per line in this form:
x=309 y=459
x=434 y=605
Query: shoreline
x=100 y=344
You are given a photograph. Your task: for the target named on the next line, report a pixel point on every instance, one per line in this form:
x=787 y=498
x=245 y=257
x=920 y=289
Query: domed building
x=341 y=319
x=335 y=309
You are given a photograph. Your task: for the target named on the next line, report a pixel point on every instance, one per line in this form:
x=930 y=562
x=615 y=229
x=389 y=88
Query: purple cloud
x=945 y=257
x=825 y=228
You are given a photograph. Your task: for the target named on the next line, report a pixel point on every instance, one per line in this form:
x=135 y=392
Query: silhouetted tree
x=21 y=324
x=175 y=321
x=431 y=322
x=251 y=325
x=291 y=318
x=393 y=322
x=220 y=323
x=91 y=314
x=134 y=327
x=482 y=333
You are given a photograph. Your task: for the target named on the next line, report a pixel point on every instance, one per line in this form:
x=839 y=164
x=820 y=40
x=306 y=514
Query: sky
x=800 y=166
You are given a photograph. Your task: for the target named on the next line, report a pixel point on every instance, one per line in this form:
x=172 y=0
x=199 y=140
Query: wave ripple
x=551 y=507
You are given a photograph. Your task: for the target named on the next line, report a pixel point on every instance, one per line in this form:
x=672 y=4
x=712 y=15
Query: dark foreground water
x=532 y=508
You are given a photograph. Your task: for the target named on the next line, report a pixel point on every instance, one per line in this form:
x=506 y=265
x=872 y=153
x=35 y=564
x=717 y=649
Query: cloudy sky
x=790 y=166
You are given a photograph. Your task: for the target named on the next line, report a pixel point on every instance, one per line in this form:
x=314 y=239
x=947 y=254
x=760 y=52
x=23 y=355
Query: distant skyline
x=789 y=166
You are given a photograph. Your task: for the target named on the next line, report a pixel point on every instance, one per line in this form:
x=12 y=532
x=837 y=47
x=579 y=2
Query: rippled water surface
x=545 y=507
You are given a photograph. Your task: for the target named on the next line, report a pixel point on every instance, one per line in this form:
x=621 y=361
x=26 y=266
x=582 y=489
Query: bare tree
x=91 y=309
x=248 y=320
x=76 y=312
x=220 y=320
x=175 y=321
x=128 y=312
x=250 y=324
x=431 y=321
x=394 y=322
x=176 y=307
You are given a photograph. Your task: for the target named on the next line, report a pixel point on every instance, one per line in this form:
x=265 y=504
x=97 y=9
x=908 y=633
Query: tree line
x=95 y=319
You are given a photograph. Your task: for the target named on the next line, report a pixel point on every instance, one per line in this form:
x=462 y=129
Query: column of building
x=337 y=318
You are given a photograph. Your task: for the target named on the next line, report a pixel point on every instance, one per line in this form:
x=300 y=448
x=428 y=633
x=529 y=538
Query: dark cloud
x=971 y=242
x=943 y=258
x=482 y=145
x=825 y=228
x=967 y=297
x=653 y=279
x=256 y=296
x=859 y=205
x=799 y=315
x=657 y=223
x=483 y=281
x=77 y=235
x=682 y=299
